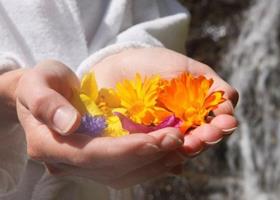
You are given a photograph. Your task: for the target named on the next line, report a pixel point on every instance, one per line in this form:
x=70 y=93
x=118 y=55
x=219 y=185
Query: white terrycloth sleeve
x=12 y=141
x=138 y=24
x=9 y=61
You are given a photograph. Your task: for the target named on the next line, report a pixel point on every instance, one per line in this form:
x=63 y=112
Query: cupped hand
x=49 y=121
x=148 y=61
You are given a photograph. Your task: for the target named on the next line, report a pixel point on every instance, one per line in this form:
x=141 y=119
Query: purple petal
x=170 y=121
x=92 y=125
x=132 y=127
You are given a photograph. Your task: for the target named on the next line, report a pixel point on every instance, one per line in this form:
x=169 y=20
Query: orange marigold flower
x=189 y=99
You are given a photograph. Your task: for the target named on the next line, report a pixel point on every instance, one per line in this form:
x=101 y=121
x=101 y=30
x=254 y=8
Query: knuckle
x=39 y=101
x=145 y=138
x=172 y=130
x=49 y=62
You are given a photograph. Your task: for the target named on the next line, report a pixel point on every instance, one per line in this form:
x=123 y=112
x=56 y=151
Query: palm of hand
x=151 y=61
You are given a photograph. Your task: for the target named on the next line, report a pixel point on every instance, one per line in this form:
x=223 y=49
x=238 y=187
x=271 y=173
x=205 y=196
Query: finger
x=192 y=145
x=148 y=172
x=227 y=123
x=208 y=134
x=230 y=94
x=118 y=179
x=201 y=137
x=170 y=138
x=224 y=108
x=45 y=145
x=136 y=150
x=45 y=93
x=127 y=154
x=80 y=150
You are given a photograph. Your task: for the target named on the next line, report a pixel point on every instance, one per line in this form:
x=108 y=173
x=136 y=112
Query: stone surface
x=240 y=39
x=215 y=25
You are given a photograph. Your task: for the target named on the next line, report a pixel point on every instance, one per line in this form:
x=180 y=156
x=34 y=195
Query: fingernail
x=214 y=142
x=64 y=118
x=171 y=142
x=173 y=160
x=230 y=130
x=148 y=149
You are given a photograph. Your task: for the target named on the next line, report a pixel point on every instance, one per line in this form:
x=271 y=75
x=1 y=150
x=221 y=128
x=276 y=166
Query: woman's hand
x=167 y=63
x=48 y=118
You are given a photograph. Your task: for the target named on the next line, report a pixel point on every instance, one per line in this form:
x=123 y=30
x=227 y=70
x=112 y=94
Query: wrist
x=8 y=85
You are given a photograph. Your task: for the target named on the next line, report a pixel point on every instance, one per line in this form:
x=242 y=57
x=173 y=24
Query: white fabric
x=78 y=33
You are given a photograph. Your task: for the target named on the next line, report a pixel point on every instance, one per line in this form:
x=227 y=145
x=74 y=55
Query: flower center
x=137 y=108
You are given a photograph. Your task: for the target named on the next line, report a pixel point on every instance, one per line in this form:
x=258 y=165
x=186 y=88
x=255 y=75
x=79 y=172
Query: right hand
x=44 y=111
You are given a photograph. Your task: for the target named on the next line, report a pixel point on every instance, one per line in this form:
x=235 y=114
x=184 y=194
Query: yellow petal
x=90 y=105
x=77 y=102
x=214 y=99
x=89 y=86
x=139 y=97
x=160 y=114
x=120 y=110
x=109 y=97
x=114 y=128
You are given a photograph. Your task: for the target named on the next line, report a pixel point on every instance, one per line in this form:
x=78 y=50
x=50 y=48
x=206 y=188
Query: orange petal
x=214 y=99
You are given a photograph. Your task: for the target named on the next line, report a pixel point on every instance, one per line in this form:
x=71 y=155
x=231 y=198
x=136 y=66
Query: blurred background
x=240 y=40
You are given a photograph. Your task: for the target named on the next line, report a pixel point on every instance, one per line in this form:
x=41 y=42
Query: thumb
x=52 y=109
x=50 y=106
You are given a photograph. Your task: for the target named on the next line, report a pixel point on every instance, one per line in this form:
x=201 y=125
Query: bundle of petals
x=145 y=104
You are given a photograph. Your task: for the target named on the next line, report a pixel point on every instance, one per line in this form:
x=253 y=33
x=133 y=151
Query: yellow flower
x=114 y=128
x=189 y=99
x=85 y=98
x=107 y=101
x=139 y=100
x=90 y=100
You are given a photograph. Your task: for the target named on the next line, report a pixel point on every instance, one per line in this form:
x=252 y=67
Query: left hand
x=148 y=61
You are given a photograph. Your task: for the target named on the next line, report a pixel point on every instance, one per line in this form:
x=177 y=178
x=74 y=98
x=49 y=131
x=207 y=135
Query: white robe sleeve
x=138 y=24
x=12 y=141
x=124 y=24
x=9 y=61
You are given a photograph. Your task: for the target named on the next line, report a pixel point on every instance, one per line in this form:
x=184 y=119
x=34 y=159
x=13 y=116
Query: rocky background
x=215 y=25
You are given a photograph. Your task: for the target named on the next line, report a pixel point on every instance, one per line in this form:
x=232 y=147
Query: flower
x=139 y=100
x=133 y=127
x=84 y=99
x=114 y=127
x=145 y=105
x=92 y=125
x=188 y=98
x=107 y=101
x=96 y=106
